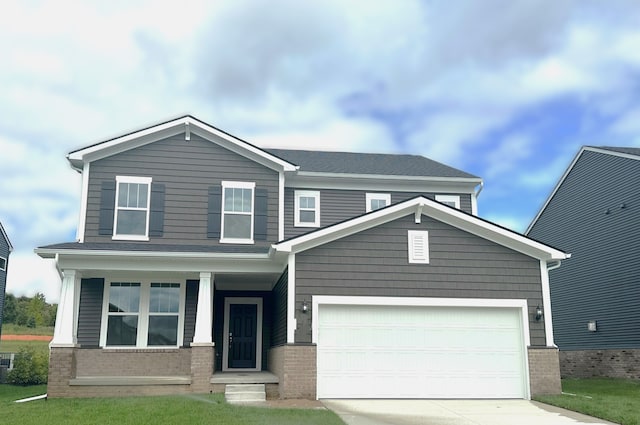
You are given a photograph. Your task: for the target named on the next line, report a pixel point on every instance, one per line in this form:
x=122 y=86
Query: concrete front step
x=245 y=393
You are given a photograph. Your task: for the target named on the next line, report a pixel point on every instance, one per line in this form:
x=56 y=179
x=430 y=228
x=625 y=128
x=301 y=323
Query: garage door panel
x=420 y=352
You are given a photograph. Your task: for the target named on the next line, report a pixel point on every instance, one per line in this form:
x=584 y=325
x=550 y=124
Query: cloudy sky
x=507 y=90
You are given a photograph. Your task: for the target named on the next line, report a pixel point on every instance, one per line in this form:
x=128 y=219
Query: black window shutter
x=107 y=206
x=156 y=214
x=260 y=211
x=214 y=212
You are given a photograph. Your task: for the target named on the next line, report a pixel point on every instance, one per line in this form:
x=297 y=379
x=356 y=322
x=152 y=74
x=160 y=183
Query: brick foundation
x=295 y=367
x=544 y=371
x=71 y=368
x=621 y=363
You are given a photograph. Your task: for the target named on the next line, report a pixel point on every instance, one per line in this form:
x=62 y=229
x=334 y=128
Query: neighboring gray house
x=594 y=212
x=5 y=250
x=202 y=260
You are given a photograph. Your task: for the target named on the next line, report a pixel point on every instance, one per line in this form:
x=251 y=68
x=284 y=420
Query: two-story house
x=203 y=260
x=5 y=250
x=594 y=212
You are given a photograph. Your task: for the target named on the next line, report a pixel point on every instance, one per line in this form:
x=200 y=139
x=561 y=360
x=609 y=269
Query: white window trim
x=311 y=194
x=3 y=264
x=138 y=180
x=386 y=197
x=143 y=313
x=413 y=236
x=449 y=198
x=237 y=185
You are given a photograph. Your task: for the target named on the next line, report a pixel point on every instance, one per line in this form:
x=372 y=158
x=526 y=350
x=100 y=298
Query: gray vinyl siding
x=279 y=304
x=338 y=205
x=190 y=309
x=4 y=253
x=375 y=263
x=600 y=280
x=90 y=312
x=186 y=169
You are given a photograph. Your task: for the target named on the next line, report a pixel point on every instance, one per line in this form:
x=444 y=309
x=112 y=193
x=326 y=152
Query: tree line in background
x=29 y=311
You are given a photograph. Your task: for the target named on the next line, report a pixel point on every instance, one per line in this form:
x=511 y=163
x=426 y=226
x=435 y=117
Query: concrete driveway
x=454 y=412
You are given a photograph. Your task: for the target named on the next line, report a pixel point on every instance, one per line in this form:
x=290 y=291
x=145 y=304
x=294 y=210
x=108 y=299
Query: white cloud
x=29 y=274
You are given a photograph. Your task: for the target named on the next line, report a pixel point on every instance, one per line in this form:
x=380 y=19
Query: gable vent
x=418 y=246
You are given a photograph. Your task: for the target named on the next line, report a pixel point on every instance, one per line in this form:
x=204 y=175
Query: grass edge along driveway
x=179 y=409
x=613 y=399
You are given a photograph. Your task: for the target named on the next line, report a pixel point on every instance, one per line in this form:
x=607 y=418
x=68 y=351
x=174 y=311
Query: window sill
x=306 y=225
x=238 y=241
x=129 y=238
x=167 y=349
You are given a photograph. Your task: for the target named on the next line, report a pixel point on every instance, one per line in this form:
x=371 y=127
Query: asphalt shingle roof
x=127 y=246
x=630 y=151
x=367 y=163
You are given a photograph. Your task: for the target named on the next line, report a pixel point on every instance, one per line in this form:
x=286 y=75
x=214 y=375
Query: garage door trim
x=520 y=304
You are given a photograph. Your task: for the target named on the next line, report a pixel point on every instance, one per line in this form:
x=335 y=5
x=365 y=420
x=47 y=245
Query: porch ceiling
x=245 y=282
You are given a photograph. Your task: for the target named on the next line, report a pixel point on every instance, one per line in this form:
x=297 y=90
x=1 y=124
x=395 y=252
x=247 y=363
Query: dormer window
x=237 y=212
x=131 y=217
x=451 y=200
x=307 y=208
x=375 y=201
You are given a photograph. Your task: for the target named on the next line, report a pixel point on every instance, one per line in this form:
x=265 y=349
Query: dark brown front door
x=243 y=321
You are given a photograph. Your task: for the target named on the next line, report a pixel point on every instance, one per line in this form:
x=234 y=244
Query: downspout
x=555 y=266
x=474 y=200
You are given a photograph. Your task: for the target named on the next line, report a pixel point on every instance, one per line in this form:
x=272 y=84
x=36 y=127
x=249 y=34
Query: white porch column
x=64 y=334
x=204 y=313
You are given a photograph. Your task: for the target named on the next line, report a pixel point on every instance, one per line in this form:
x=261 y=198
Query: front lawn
x=616 y=400
x=195 y=409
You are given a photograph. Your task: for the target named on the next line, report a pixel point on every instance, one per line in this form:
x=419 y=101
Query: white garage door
x=367 y=351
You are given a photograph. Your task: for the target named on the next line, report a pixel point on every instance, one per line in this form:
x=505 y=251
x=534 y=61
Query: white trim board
x=430 y=208
x=225 y=345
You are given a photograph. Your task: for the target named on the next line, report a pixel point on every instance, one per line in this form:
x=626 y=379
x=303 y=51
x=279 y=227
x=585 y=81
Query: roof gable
x=6 y=238
x=186 y=125
x=621 y=152
x=419 y=206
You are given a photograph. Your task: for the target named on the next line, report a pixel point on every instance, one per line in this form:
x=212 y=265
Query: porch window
x=375 y=201
x=143 y=314
x=307 y=208
x=131 y=216
x=237 y=212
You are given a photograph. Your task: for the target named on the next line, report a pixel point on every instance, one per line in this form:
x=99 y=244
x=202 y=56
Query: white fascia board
x=429 y=208
x=162 y=261
x=612 y=153
x=172 y=128
x=375 y=182
x=6 y=238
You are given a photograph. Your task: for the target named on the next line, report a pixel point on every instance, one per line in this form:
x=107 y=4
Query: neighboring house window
x=143 y=314
x=3 y=264
x=375 y=201
x=418 y=246
x=237 y=212
x=451 y=200
x=132 y=208
x=307 y=208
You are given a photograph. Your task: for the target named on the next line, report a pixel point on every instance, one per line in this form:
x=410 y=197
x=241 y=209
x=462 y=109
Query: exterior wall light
x=305 y=307
x=538 y=313
x=591 y=326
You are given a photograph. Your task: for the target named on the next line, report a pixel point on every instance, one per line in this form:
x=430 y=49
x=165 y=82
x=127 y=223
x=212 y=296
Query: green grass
x=616 y=400
x=14 y=346
x=12 y=329
x=195 y=409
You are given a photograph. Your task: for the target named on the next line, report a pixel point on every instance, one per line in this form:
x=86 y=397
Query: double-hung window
x=237 y=212
x=307 y=208
x=143 y=314
x=3 y=264
x=451 y=200
x=131 y=218
x=375 y=201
